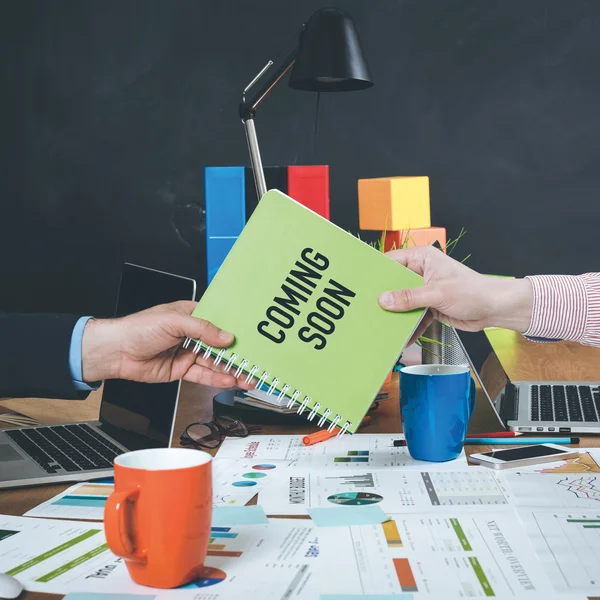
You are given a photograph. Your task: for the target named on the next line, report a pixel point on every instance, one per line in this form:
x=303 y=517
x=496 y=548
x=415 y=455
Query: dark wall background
x=110 y=110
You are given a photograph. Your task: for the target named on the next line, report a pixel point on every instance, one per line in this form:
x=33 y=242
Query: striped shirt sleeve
x=566 y=307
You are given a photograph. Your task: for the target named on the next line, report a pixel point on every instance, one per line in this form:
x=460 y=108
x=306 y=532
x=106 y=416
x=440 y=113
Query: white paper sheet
x=347 y=452
x=259 y=561
x=568 y=544
x=553 y=490
x=295 y=490
x=454 y=555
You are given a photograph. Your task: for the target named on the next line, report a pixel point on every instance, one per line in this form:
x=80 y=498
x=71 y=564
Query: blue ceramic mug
x=436 y=403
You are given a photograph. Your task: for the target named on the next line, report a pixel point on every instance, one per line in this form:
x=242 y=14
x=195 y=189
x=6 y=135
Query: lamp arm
x=247 y=106
x=247 y=111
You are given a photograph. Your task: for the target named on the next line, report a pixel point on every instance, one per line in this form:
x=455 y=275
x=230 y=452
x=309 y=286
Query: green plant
x=450 y=243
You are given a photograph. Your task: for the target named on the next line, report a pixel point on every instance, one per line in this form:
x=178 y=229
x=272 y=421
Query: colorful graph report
x=412 y=491
x=568 y=544
x=449 y=553
x=234 y=484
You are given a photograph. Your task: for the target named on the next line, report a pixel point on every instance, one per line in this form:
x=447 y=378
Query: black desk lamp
x=328 y=58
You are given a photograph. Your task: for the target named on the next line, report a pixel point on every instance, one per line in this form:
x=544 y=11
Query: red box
x=415 y=237
x=309 y=185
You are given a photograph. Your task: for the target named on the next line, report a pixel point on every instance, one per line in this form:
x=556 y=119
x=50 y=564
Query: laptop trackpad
x=9 y=454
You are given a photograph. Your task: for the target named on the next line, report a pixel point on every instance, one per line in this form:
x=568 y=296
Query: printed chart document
x=344 y=453
x=235 y=482
x=447 y=553
x=563 y=490
x=81 y=501
x=568 y=544
x=277 y=560
x=295 y=490
x=560 y=511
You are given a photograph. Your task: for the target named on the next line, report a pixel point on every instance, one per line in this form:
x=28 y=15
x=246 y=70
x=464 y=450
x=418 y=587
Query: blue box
x=217 y=250
x=225 y=209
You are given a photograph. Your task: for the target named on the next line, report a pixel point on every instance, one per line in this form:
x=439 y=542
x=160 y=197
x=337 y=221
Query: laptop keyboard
x=70 y=447
x=565 y=403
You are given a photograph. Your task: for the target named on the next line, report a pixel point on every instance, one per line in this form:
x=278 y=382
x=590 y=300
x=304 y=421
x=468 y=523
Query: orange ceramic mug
x=158 y=518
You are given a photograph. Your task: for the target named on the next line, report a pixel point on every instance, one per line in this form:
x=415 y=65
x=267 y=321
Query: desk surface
x=522 y=359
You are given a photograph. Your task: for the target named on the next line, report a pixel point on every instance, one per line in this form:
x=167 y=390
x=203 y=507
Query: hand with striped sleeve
x=548 y=307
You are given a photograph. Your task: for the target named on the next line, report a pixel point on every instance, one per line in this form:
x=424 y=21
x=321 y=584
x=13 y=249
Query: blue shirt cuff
x=75 y=357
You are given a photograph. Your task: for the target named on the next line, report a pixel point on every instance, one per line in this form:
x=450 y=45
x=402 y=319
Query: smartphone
x=523 y=455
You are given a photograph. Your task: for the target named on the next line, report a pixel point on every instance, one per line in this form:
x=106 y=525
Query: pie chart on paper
x=355 y=498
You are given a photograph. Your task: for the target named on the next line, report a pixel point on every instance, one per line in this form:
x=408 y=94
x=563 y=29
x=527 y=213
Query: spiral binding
x=219 y=356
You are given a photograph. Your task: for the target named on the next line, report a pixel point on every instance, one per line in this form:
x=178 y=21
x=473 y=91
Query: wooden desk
x=522 y=359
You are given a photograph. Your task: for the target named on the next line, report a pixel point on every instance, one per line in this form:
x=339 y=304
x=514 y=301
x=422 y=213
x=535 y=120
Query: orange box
x=394 y=203
x=415 y=237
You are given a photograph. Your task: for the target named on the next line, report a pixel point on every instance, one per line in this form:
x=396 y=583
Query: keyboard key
x=596 y=396
x=535 y=403
x=560 y=403
x=546 y=408
x=575 y=413
x=587 y=403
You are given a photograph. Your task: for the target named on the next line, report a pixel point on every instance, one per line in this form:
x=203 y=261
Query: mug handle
x=115 y=526
x=472 y=397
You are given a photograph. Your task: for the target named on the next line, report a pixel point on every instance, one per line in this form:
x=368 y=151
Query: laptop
x=132 y=416
x=532 y=406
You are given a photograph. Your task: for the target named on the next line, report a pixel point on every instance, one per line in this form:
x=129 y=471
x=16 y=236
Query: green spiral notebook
x=300 y=296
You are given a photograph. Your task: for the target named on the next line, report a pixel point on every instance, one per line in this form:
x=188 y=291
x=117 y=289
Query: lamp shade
x=330 y=57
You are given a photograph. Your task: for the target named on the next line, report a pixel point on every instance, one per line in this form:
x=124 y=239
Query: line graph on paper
x=570 y=491
x=582 y=487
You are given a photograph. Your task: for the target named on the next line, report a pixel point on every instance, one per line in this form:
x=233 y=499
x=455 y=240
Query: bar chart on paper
x=568 y=543
x=367 y=451
x=219 y=543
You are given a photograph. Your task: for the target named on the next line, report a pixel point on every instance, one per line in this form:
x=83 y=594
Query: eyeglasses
x=212 y=434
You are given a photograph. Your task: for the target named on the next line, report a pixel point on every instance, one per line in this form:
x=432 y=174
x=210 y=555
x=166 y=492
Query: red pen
x=495 y=434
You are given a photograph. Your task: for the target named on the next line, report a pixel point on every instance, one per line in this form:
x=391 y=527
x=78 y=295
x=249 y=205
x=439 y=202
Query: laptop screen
x=485 y=363
x=141 y=415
